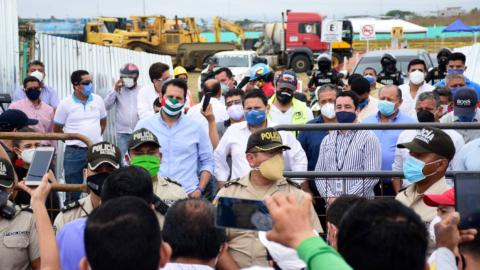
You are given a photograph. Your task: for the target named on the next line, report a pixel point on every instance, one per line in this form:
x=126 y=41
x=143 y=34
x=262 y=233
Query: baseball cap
x=265 y=139
x=140 y=137
x=103 y=152
x=16 y=118
x=447 y=198
x=6 y=173
x=214 y=61
x=465 y=101
x=287 y=79
x=431 y=140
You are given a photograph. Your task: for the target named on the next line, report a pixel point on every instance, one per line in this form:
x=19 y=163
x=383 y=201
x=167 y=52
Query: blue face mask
x=413 y=169
x=454 y=90
x=386 y=107
x=370 y=79
x=255 y=118
x=467 y=119
x=455 y=70
x=87 y=90
x=346 y=117
x=363 y=104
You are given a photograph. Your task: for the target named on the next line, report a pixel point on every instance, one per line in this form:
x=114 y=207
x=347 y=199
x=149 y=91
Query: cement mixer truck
x=296 y=43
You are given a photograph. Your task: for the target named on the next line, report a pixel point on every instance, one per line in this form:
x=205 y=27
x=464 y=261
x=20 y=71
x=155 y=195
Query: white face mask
x=431 y=228
x=328 y=110
x=417 y=77
x=128 y=82
x=37 y=74
x=445 y=109
x=27 y=155
x=236 y=112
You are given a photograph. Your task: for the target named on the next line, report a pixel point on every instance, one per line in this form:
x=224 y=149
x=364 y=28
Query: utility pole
x=98 y=10
x=229 y=10
x=381 y=7
x=143 y=7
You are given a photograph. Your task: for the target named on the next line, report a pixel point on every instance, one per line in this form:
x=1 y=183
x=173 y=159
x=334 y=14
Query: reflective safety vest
x=299 y=115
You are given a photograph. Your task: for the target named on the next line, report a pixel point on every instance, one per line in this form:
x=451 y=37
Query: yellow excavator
x=219 y=23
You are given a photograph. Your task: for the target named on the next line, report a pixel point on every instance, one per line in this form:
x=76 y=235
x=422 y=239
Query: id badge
x=338 y=186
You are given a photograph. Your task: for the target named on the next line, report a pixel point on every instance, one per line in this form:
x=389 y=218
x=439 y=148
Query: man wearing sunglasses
x=83 y=112
x=35 y=108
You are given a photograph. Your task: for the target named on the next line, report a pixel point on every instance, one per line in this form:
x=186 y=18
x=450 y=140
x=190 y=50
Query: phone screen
x=467 y=198
x=243 y=214
x=206 y=100
x=40 y=164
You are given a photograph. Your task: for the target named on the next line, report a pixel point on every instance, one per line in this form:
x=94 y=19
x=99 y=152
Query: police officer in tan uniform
x=265 y=156
x=18 y=235
x=143 y=151
x=102 y=159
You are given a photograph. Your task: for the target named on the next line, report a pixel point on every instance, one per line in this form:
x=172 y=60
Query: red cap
x=447 y=198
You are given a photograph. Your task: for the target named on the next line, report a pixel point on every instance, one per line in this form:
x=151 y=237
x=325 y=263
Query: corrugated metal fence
x=62 y=56
x=9 y=64
x=473 y=61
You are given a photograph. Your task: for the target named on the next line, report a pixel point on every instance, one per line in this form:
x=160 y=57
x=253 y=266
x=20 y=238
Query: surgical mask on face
x=413 y=169
x=346 y=117
x=363 y=104
x=149 y=163
x=128 y=82
x=445 y=109
x=467 y=119
x=236 y=112
x=224 y=87
x=454 y=90
x=370 y=79
x=37 y=74
x=386 y=108
x=95 y=182
x=272 y=169
x=255 y=118
x=87 y=90
x=417 y=77
x=172 y=107
x=460 y=70
x=27 y=155
x=328 y=110
x=331 y=241
x=431 y=227
x=33 y=94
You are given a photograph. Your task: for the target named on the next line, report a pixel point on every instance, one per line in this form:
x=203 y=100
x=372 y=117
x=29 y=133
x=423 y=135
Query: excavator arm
x=227 y=25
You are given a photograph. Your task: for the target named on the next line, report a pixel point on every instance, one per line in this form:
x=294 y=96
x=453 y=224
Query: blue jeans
x=74 y=161
x=122 y=140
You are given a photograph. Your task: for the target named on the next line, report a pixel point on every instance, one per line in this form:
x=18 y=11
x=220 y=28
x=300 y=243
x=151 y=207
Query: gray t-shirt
x=221 y=129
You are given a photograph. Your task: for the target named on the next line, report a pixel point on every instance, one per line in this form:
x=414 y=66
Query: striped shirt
x=357 y=150
x=185 y=266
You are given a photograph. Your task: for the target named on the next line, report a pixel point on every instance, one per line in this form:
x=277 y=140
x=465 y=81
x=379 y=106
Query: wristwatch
x=201 y=189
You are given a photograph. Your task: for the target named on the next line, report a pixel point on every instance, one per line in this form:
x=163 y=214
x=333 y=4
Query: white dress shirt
x=186 y=266
x=369 y=109
x=286 y=118
x=235 y=141
x=219 y=111
x=401 y=154
x=146 y=97
x=409 y=103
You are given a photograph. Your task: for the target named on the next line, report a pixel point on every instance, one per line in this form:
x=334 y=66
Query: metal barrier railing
x=346 y=174
x=361 y=126
x=45 y=136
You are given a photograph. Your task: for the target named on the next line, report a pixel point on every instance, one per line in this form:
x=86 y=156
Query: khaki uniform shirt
x=79 y=209
x=243 y=245
x=169 y=191
x=374 y=92
x=415 y=201
x=18 y=240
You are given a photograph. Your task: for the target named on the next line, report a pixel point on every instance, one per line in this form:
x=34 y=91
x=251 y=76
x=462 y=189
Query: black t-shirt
x=9 y=152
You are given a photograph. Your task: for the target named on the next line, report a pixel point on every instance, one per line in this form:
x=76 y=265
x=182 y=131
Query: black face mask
x=6 y=211
x=390 y=68
x=95 y=182
x=324 y=67
x=425 y=116
x=442 y=64
x=284 y=97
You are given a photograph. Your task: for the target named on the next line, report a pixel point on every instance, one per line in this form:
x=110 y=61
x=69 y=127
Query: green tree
x=474 y=10
x=400 y=14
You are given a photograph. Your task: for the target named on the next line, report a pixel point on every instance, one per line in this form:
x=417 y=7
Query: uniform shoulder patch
x=232 y=182
x=25 y=207
x=293 y=183
x=70 y=206
x=173 y=181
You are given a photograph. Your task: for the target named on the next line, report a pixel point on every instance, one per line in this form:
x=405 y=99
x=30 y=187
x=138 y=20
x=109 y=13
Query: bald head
x=212 y=86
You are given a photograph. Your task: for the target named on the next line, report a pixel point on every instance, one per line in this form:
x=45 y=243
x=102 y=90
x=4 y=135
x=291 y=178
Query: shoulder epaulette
x=293 y=183
x=70 y=206
x=25 y=207
x=231 y=182
x=173 y=181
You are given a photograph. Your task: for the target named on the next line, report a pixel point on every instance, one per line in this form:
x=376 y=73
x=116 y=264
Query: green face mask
x=149 y=163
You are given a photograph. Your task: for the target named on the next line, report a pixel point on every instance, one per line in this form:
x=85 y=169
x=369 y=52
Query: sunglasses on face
x=234 y=102
x=85 y=82
x=33 y=88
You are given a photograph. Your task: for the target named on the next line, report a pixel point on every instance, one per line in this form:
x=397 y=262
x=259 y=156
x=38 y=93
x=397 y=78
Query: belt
x=77 y=147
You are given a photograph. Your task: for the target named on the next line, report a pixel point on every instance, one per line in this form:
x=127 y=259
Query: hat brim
x=6 y=183
x=272 y=146
x=93 y=165
x=414 y=147
x=31 y=122
x=140 y=143
x=464 y=111
x=433 y=200
x=287 y=85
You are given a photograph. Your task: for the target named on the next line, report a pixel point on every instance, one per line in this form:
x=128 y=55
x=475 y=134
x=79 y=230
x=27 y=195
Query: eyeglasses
x=87 y=82
x=271 y=152
x=32 y=88
x=234 y=102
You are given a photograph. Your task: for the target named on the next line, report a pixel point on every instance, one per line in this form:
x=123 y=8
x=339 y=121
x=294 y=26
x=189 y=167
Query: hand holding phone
x=206 y=100
x=40 y=165
x=467 y=198
x=243 y=214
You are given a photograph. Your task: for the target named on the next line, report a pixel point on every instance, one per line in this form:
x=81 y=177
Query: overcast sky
x=235 y=9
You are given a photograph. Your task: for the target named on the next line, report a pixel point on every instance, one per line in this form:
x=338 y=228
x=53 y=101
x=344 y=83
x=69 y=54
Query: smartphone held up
x=41 y=162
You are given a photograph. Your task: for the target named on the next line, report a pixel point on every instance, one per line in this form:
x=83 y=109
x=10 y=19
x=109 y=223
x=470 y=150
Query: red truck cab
x=303 y=30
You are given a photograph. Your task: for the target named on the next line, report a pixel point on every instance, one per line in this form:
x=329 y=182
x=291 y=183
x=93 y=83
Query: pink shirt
x=43 y=113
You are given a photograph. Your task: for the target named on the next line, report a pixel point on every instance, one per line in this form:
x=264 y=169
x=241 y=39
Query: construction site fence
x=9 y=64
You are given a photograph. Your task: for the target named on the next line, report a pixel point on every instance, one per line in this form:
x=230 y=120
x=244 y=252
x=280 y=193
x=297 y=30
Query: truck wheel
x=137 y=48
x=337 y=59
x=300 y=63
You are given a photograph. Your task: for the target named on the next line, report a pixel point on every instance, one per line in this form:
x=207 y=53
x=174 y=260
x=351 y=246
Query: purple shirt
x=48 y=95
x=43 y=113
x=71 y=245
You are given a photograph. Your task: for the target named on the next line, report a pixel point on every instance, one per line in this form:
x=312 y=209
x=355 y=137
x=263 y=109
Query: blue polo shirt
x=311 y=140
x=388 y=138
x=468 y=157
x=468 y=83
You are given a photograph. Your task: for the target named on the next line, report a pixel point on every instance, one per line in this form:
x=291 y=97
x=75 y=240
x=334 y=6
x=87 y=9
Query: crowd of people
x=152 y=196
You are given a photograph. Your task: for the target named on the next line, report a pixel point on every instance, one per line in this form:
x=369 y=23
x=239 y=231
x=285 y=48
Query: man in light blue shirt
x=48 y=95
x=185 y=142
x=456 y=63
x=468 y=157
x=390 y=100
